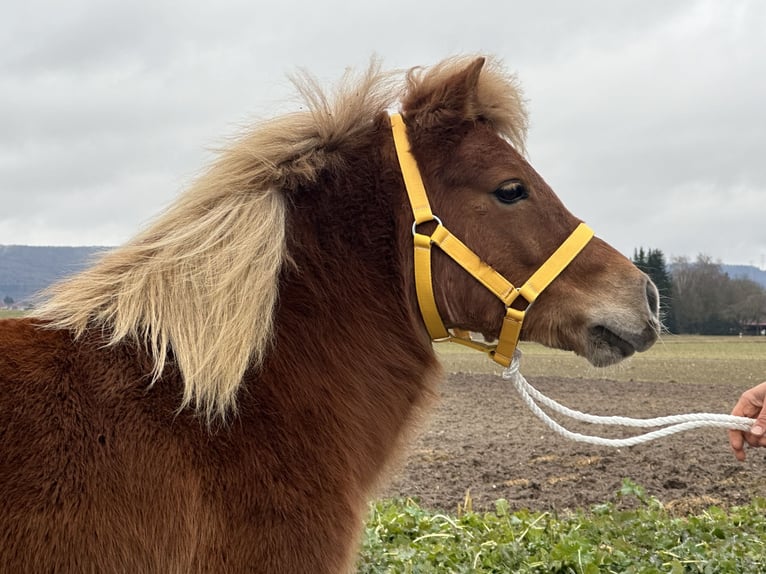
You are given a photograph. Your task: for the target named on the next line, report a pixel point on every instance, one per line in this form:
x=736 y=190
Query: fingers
x=752 y=404
x=754 y=440
x=737 y=442
x=745 y=407
x=738 y=439
x=757 y=434
x=749 y=404
x=759 y=428
x=756 y=397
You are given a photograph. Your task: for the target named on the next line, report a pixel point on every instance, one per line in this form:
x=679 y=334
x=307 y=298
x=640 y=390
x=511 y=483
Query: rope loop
x=672 y=424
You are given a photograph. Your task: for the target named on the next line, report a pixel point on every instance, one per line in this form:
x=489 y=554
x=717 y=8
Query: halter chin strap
x=498 y=285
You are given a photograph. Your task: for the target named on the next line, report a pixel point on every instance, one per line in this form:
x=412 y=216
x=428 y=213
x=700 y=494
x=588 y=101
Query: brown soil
x=480 y=437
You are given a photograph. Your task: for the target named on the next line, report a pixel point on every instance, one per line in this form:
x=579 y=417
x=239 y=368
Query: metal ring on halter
x=433 y=218
x=516 y=298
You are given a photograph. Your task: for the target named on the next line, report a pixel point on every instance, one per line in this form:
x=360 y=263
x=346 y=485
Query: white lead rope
x=672 y=424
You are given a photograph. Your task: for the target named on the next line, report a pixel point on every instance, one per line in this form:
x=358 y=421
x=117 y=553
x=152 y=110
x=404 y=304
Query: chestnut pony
x=223 y=392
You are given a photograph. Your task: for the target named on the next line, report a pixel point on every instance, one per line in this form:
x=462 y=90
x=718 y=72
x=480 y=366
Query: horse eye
x=511 y=192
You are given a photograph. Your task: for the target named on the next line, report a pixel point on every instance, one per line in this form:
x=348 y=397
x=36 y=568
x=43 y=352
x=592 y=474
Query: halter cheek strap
x=498 y=285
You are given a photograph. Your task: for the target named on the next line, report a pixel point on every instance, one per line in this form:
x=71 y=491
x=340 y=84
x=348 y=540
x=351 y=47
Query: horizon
x=669 y=258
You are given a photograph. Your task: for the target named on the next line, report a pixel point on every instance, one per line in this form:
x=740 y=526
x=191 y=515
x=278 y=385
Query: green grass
x=6 y=314
x=681 y=358
x=631 y=535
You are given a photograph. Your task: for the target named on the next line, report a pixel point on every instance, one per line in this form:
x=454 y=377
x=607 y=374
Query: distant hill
x=746 y=272
x=26 y=270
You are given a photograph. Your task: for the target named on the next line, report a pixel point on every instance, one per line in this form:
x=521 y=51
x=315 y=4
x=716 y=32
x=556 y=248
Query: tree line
x=698 y=297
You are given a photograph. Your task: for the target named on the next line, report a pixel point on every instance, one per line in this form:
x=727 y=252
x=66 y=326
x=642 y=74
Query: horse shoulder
x=82 y=465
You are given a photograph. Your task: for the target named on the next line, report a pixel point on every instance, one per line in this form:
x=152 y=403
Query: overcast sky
x=648 y=117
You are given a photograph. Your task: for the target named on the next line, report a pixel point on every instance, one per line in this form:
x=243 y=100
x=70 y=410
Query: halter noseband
x=468 y=260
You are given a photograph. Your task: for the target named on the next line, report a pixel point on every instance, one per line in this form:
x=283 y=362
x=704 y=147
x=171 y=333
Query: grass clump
x=633 y=534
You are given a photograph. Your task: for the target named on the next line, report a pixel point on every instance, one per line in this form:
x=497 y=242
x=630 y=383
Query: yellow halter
x=468 y=260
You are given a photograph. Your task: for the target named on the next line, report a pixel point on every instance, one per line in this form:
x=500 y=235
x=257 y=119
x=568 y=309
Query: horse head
x=466 y=132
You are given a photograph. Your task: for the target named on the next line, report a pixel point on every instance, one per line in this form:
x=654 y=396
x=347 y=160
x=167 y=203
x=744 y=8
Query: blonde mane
x=200 y=283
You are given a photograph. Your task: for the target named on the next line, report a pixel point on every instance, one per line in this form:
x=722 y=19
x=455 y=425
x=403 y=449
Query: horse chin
x=607 y=345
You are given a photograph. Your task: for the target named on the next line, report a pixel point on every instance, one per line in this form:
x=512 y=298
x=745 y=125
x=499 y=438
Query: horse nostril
x=652 y=298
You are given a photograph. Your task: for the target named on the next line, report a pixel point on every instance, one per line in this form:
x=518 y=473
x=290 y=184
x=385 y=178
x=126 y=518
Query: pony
x=224 y=392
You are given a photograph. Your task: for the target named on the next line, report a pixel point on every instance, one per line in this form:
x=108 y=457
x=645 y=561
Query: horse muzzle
x=620 y=334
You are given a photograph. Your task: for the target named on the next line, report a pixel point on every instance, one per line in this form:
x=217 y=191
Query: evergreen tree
x=652 y=262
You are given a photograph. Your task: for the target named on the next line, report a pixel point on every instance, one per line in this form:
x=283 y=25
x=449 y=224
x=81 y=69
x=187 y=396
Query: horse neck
x=349 y=360
x=349 y=246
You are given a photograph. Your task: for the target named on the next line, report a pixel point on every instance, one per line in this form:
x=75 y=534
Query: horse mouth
x=607 y=347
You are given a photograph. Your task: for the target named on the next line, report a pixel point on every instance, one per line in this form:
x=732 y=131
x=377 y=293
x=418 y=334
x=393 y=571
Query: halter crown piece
x=498 y=285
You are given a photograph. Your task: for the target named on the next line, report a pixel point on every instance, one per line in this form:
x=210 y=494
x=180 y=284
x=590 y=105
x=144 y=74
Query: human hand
x=751 y=404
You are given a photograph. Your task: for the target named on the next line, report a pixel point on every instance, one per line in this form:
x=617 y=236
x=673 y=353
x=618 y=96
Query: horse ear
x=462 y=94
x=468 y=84
x=441 y=97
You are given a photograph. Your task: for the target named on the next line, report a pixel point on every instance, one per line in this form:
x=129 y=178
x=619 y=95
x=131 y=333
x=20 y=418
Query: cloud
x=647 y=117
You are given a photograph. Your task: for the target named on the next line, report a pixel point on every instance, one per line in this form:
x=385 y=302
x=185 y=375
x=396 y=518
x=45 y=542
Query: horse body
x=102 y=474
x=105 y=467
